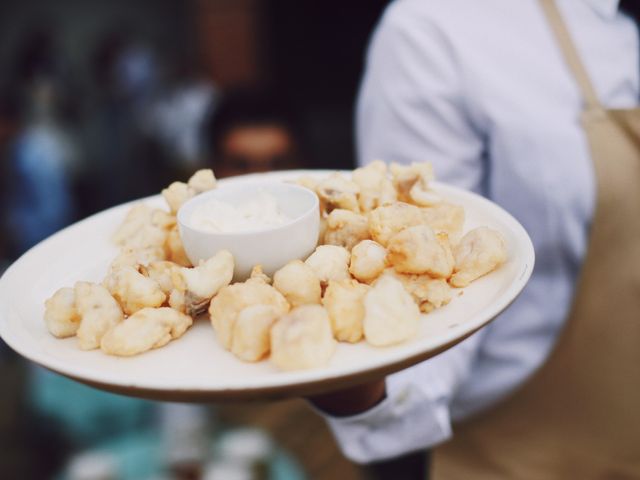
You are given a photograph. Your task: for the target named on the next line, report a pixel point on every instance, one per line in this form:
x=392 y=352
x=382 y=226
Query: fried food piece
x=298 y=283
x=412 y=183
x=136 y=258
x=201 y=283
x=429 y=293
x=60 y=313
x=99 y=312
x=375 y=187
x=258 y=274
x=177 y=194
x=344 y=303
x=329 y=262
x=445 y=217
x=480 y=251
x=420 y=250
x=391 y=315
x=323 y=229
x=175 y=248
x=133 y=290
x=252 y=332
x=386 y=221
x=232 y=299
x=346 y=228
x=143 y=227
x=336 y=191
x=162 y=273
x=302 y=339
x=368 y=260
x=307 y=181
x=146 y=329
x=202 y=181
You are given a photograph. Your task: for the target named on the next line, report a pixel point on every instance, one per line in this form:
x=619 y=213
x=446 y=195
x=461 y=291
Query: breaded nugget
x=386 y=221
x=420 y=250
x=428 y=293
x=201 y=283
x=345 y=228
x=133 y=290
x=302 y=339
x=344 y=301
x=60 y=313
x=480 y=251
x=298 y=283
x=336 y=191
x=368 y=261
x=146 y=329
x=391 y=315
x=99 y=312
x=251 y=339
x=445 y=217
x=329 y=262
x=232 y=299
x=376 y=188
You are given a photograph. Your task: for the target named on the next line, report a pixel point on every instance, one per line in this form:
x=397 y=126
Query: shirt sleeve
x=414 y=415
x=411 y=108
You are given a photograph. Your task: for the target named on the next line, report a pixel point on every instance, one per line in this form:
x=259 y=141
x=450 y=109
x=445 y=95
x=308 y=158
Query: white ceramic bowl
x=273 y=247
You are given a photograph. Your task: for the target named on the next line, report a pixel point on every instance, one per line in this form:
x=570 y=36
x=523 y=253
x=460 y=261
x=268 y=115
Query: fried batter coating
x=412 y=183
x=202 y=181
x=176 y=194
x=445 y=217
x=307 y=181
x=336 y=191
x=133 y=290
x=162 y=273
x=60 y=314
x=232 y=299
x=146 y=329
x=429 y=293
x=368 y=260
x=386 y=221
x=480 y=251
x=99 y=312
x=143 y=227
x=329 y=262
x=344 y=301
x=201 y=283
x=375 y=187
x=345 y=228
x=302 y=339
x=175 y=249
x=258 y=274
x=298 y=283
x=129 y=257
x=391 y=315
x=252 y=332
x=420 y=250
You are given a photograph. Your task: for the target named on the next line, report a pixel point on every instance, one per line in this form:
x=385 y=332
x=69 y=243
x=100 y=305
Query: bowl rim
x=203 y=197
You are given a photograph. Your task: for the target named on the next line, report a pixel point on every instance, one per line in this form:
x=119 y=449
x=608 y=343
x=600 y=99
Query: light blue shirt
x=481 y=90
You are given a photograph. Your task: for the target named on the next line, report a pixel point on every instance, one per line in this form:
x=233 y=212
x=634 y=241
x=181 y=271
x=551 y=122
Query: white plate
x=195 y=367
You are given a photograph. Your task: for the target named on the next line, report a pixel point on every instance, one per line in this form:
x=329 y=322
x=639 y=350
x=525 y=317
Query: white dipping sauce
x=257 y=213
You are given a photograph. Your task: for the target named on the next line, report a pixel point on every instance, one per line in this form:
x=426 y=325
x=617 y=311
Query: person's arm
x=411 y=108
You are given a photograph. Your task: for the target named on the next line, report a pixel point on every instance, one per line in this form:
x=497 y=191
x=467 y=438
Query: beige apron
x=579 y=415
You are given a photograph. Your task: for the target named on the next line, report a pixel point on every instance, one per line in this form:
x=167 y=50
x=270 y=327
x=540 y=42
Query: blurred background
x=103 y=102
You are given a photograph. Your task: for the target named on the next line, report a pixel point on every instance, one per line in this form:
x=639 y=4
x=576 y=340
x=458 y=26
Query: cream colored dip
x=257 y=213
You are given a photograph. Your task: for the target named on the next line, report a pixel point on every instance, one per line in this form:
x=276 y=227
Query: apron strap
x=570 y=53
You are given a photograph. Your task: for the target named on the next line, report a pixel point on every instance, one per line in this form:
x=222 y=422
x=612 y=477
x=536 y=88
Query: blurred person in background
x=177 y=116
x=253 y=131
x=533 y=104
x=38 y=180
